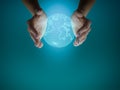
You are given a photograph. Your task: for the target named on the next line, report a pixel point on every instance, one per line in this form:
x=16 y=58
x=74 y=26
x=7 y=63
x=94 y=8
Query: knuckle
x=28 y=21
x=89 y=22
x=38 y=36
x=29 y=30
x=86 y=27
x=78 y=33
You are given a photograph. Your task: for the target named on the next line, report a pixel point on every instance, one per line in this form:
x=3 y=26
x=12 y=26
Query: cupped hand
x=81 y=27
x=37 y=27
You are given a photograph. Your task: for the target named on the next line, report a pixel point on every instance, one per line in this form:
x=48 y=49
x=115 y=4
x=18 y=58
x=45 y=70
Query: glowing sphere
x=59 y=31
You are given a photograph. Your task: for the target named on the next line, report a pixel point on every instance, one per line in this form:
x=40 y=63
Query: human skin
x=37 y=24
x=81 y=25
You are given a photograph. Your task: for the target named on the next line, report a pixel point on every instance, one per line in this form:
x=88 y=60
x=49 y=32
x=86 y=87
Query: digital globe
x=59 y=31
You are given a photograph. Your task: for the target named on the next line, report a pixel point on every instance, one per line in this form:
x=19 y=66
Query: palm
x=37 y=26
x=81 y=27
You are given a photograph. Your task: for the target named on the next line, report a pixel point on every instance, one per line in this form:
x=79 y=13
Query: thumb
x=39 y=44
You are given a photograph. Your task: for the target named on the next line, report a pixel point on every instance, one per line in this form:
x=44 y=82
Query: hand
x=37 y=26
x=81 y=27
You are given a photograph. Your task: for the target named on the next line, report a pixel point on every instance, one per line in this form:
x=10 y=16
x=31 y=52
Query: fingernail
x=75 y=43
x=40 y=45
x=36 y=45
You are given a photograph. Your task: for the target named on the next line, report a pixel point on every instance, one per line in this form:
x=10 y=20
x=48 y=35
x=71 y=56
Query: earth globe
x=59 y=31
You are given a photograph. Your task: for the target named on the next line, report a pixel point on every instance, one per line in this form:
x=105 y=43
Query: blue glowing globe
x=59 y=31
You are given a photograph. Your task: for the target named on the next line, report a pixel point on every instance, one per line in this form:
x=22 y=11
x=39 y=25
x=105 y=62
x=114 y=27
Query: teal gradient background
x=95 y=65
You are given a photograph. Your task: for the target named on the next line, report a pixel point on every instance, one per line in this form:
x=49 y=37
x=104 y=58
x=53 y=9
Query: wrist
x=82 y=11
x=36 y=11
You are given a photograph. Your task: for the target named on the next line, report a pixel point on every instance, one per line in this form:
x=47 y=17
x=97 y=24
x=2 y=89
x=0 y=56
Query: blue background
x=95 y=65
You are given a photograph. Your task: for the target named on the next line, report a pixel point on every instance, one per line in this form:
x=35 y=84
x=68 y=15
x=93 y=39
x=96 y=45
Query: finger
x=33 y=32
x=76 y=41
x=84 y=32
x=80 y=39
x=85 y=27
x=36 y=41
x=32 y=29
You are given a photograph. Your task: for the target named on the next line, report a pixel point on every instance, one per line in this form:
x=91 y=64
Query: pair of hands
x=37 y=27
